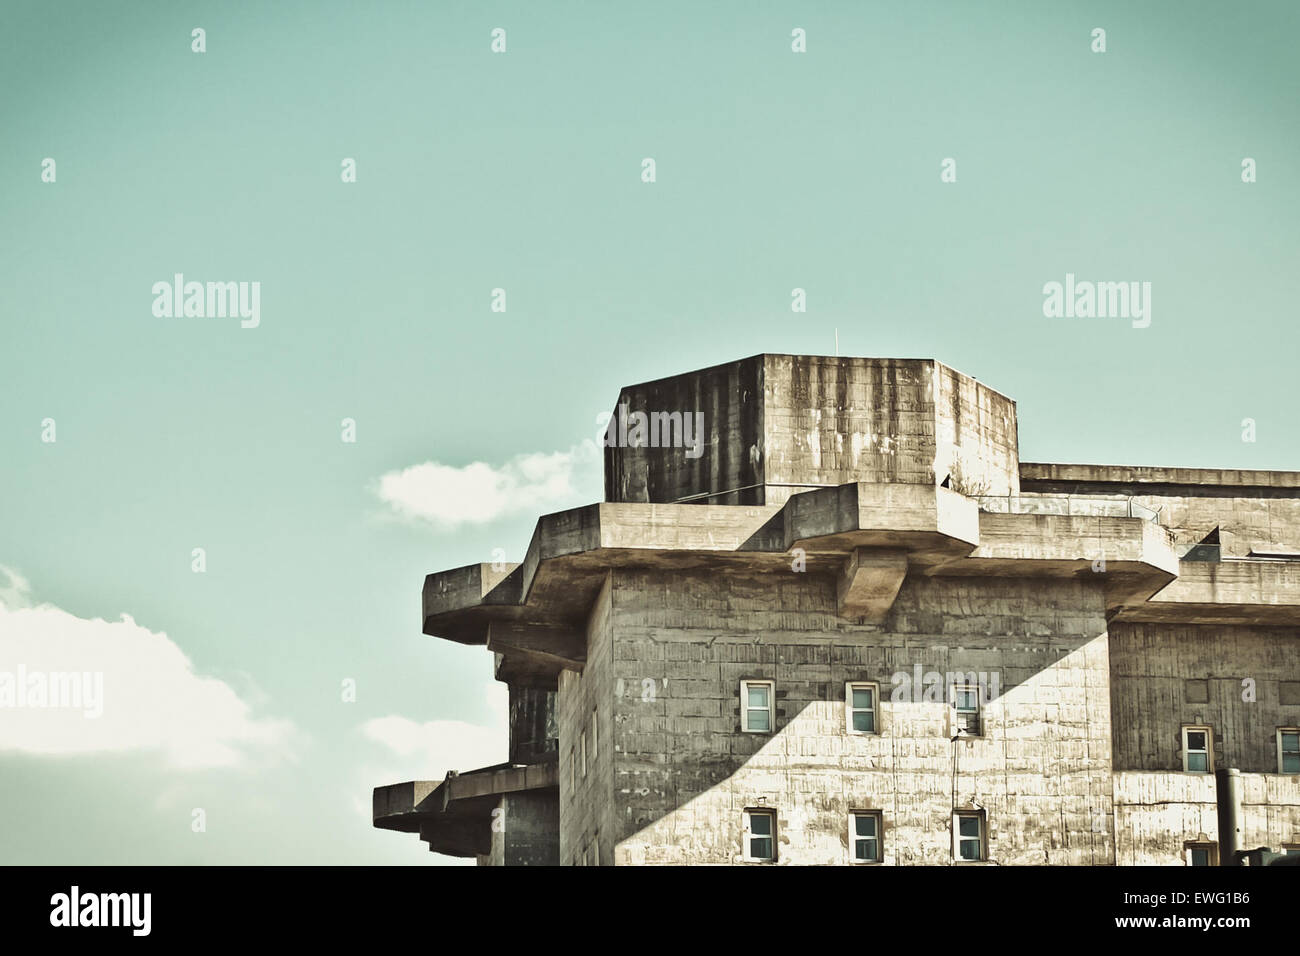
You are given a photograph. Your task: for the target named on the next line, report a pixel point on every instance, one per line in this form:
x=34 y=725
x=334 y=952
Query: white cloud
x=426 y=751
x=151 y=697
x=15 y=590
x=478 y=493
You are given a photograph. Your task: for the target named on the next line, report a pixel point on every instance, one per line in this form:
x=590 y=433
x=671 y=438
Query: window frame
x=957 y=712
x=745 y=709
x=747 y=835
x=879 y=817
x=1281 y=754
x=850 y=710
x=1211 y=848
x=1209 y=747
x=958 y=839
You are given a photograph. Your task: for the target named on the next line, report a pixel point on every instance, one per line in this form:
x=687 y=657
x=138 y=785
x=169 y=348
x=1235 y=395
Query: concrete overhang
x=869 y=536
x=1244 y=591
x=933 y=525
x=1134 y=558
x=454 y=815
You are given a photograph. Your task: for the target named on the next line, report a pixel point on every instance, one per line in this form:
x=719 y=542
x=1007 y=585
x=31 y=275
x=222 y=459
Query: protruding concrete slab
x=454 y=815
x=1247 y=592
x=934 y=525
x=549 y=649
x=869 y=583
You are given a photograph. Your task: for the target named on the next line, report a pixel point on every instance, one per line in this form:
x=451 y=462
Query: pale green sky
x=775 y=170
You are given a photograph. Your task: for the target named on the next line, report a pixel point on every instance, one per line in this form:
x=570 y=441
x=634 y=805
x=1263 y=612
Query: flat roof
x=1149 y=475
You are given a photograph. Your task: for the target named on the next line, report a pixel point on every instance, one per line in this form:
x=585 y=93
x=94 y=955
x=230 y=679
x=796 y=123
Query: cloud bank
x=478 y=493
x=150 y=698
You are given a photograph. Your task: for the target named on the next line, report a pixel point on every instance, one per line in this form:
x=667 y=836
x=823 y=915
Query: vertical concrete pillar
x=1228 y=793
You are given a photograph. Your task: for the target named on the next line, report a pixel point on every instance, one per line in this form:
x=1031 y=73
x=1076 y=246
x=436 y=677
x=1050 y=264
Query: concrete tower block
x=771 y=426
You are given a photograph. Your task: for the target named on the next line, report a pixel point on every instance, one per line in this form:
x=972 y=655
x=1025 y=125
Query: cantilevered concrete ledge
x=1134 y=558
x=933 y=525
x=454 y=815
x=868 y=536
x=1246 y=591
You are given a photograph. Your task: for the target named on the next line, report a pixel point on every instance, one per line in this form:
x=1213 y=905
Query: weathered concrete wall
x=526 y=830
x=832 y=420
x=587 y=801
x=1164 y=676
x=977 y=440
x=685 y=772
x=1253 y=510
x=1262 y=524
x=778 y=424
x=1156 y=814
x=533 y=727
x=730 y=397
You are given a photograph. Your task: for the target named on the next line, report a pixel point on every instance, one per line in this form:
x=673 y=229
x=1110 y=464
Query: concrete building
x=849 y=625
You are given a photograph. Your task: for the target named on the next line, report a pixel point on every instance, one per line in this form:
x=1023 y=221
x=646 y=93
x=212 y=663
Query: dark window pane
x=864 y=721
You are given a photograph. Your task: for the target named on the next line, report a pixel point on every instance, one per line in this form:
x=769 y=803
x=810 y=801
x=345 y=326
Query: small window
x=969 y=846
x=756 y=706
x=1202 y=854
x=966 y=703
x=1198 y=750
x=582 y=746
x=864 y=836
x=760 y=835
x=1288 y=750
x=861 y=700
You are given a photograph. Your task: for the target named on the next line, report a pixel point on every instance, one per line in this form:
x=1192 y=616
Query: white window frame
x=745 y=685
x=1281 y=754
x=1208 y=751
x=958 y=839
x=850 y=710
x=957 y=712
x=879 y=818
x=749 y=814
